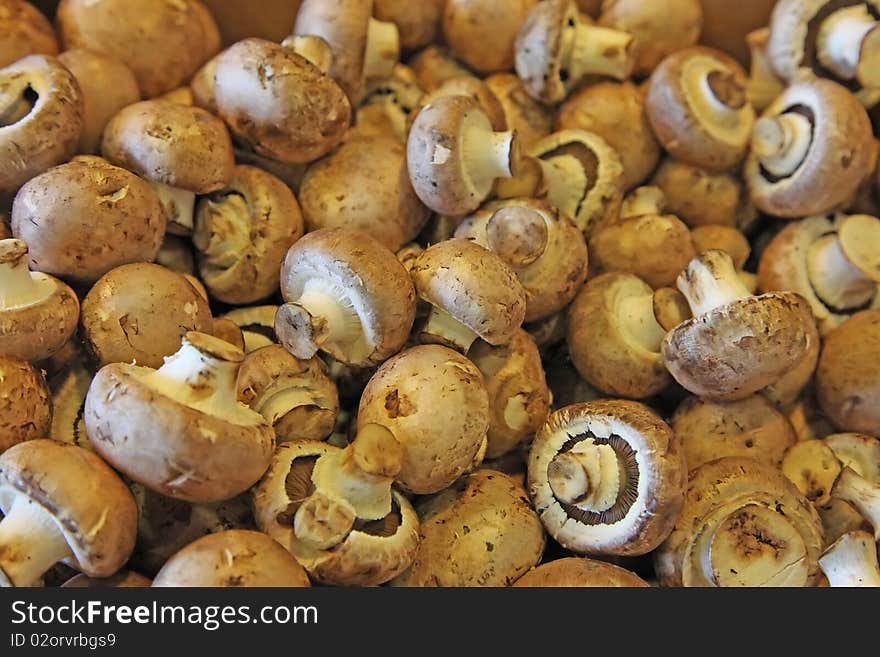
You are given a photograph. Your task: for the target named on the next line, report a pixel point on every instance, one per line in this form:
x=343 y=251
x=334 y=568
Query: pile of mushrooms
x=462 y=293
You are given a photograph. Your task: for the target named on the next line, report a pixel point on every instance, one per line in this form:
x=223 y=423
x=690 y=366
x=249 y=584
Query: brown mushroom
x=25 y=30
x=578 y=572
x=482 y=33
x=25 y=404
x=531 y=120
x=475 y=88
x=764 y=84
x=417 y=22
x=388 y=106
x=434 y=64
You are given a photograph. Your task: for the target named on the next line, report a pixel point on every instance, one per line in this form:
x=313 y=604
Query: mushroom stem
x=322 y=316
x=710 y=281
x=313 y=48
x=848 y=45
x=587 y=476
x=835 y=279
x=489 y=155
x=643 y=201
x=179 y=207
x=18 y=286
x=322 y=522
x=444 y=328
x=782 y=142
x=30 y=543
x=862 y=494
x=764 y=85
x=383 y=49
x=639 y=322
x=592 y=50
x=851 y=561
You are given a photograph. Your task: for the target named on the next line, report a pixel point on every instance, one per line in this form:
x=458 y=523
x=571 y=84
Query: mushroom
x=363 y=48
x=163 y=43
x=702 y=198
x=181 y=150
x=813 y=467
x=482 y=33
x=542 y=246
x=242 y=233
x=86 y=217
x=614 y=336
x=607 y=477
x=548 y=333
x=829 y=260
x=61 y=503
x=417 y=22
x=810 y=150
x=41 y=119
x=519 y=399
x=139 y=312
x=435 y=402
x=475 y=88
x=479 y=532
x=862 y=493
x=472 y=293
x=743 y=524
x=233 y=558
x=764 y=84
x=847 y=382
x=659 y=28
x=295 y=115
x=176 y=254
x=124 y=579
x=736 y=343
x=699 y=109
x=838 y=518
x=257 y=324
x=107 y=86
x=647 y=199
x=616 y=112
x=454 y=155
x=531 y=120
x=202 y=85
x=388 y=106
x=297 y=397
x=364 y=185
x=38 y=313
x=180 y=430
x=556 y=49
x=578 y=572
x=335 y=510
x=25 y=405
x=346 y=295
x=851 y=561
x=434 y=64
x=25 y=30
x=785 y=391
x=857 y=451
x=751 y=427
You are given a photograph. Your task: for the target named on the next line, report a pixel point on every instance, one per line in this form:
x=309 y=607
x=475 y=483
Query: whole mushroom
x=482 y=33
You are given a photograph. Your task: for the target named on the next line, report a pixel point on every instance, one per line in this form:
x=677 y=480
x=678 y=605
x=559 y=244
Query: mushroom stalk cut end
x=30 y=543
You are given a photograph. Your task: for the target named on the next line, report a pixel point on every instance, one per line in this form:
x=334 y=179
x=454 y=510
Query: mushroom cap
x=163 y=43
x=140 y=312
x=370 y=555
x=474 y=286
x=172 y=448
x=531 y=120
x=25 y=30
x=839 y=158
x=49 y=133
x=475 y=88
x=364 y=185
x=848 y=377
x=601 y=346
x=786 y=390
x=578 y=572
x=124 y=579
x=723 y=484
x=645 y=513
x=90 y=504
x=233 y=558
x=86 y=217
x=25 y=405
x=242 y=233
x=376 y=284
x=723 y=238
x=482 y=33
x=417 y=22
x=434 y=401
x=295 y=115
x=740 y=347
x=481 y=531
x=177 y=145
x=689 y=125
x=751 y=427
x=616 y=112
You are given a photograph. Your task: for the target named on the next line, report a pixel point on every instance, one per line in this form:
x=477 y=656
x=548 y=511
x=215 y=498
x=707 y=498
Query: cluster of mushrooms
x=439 y=293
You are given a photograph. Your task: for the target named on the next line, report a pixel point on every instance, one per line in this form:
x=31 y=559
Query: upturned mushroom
x=479 y=532
x=607 y=477
x=579 y=572
x=139 y=312
x=557 y=49
x=742 y=524
x=346 y=295
x=454 y=155
x=472 y=292
x=435 y=402
x=41 y=119
x=233 y=558
x=38 y=313
x=851 y=561
x=26 y=31
x=713 y=355
x=295 y=115
x=181 y=150
x=542 y=246
x=61 y=503
x=297 y=397
x=699 y=109
x=185 y=433
x=242 y=233
x=336 y=511
x=810 y=150
x=25 y=404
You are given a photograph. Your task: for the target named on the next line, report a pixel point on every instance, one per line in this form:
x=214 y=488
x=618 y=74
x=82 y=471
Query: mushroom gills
x=31 y=542
x=848 y=45
x=178 y=205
